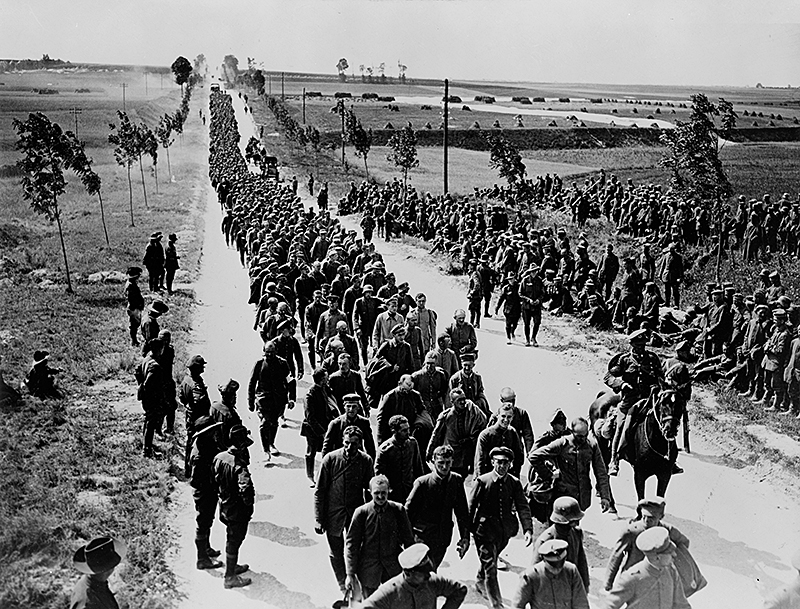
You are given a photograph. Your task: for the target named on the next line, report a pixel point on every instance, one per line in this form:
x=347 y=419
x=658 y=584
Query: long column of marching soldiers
x=387 y=522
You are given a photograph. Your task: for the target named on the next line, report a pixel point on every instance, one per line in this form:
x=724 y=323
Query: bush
x=342 y=95
x=564 y=100
x=539 y=99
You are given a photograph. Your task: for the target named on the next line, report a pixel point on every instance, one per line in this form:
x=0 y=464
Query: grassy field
x=468 y=169
x=72 y=469
x=643 y=104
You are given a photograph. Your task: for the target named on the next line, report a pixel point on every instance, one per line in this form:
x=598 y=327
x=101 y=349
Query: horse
x=651 y=448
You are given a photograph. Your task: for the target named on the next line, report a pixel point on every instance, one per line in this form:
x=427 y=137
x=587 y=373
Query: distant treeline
x=46 y=63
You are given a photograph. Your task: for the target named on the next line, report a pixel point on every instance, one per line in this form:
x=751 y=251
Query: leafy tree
x=313 y=136
x=47 y=152
x=692 y=156
x=361 y=69
x=341 y=66
x=82 y=165
x=360 y=138
x=182 y=69
x=200 y=63
x=505 y=157
x=230 y=68
x=259 y=82
x=124 y=139
x=164 y=136
x=404 y=153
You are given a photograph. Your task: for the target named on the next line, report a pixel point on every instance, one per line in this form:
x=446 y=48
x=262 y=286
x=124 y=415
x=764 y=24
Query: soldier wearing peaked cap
x=153 y=261
x=566 y=518
x=206 y=444
x=193 y=395
x=652 y=583
x=551 y=583
x=135 y=300
x=415 y=586
x=224 y=411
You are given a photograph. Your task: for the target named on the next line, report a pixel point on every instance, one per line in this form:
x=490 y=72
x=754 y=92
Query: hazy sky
x=691 y=42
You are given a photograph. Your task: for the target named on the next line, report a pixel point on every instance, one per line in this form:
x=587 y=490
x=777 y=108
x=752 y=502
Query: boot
x=233 y=579
x=203 y=559
x=310 y=469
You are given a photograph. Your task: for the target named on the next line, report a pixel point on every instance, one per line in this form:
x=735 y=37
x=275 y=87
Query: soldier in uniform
x=566 y=519
x=432 y=384
x=470 y=382
x=415 y=586
x=475 y=294
x=531 y=293
x=194 y=397
x=205 y=447
x=462 y=335
x=237 y=497
x=434 y=500
x=268 y=392
x=776 y=356
x=552 y=582
x=445 y=357
x=135 y=300
x=653 y=582
x=499 y=433
x=496 y=502
x=635 y=375
x=459 y=427
x=399 y=459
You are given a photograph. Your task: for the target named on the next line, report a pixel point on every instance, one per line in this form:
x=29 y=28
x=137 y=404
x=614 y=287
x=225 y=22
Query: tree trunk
x=365 y=166
x=155 y=169
x=63 y=249
x=103 y=217
x=169 y=167
x=144 y=189
x=130 y=193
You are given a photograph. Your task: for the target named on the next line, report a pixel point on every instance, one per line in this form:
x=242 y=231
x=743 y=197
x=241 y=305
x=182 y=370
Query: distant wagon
x=271 y=164
x=453 y=99
x=342 y=95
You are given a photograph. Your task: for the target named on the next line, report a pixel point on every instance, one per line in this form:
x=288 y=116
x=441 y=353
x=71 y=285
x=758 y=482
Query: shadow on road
x=268 y=589
x=291 y=537
x=294 y=462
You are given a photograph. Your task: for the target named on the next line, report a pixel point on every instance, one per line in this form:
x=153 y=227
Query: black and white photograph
x=399 y=304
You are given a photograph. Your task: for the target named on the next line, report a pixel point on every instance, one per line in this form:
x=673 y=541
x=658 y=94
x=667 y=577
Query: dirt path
x=743 y=530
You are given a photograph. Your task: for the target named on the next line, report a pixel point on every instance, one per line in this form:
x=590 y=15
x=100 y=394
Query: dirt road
x=743 y=530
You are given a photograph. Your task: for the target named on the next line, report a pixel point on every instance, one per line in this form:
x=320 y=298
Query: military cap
x=430 y=358
x=173 y=237
x=403 y=286
x=399 y=329
x=729 y=289
x=368 y=288
x=230 y=387
x=655 y=541
x=271 y=286
x=550 y=272
x=762 y=307
x=286 y=324
x=774 y=274
x=351 y=398
x=553 y=549
x=156 y=235
x=133 y=271
x=415 y=557
x=196 y=360
x=392 y=299
x=710 y=286
x=638 y=336
x=472 y=261
x=653 y=506
x=390 y=276
x=468 y=357
x=99 y=555
x=204 y=424
x=333 y=298
x=785 y=302
x=159 y=307
x=502 y=451
x=240 y=433
x=779 y=313
x=485 y=258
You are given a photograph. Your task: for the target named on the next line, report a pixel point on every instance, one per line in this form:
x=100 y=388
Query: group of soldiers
x=388 y=518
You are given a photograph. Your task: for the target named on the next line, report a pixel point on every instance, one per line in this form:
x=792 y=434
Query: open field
x=73 y=469
x=644 y=104
x=468 y=169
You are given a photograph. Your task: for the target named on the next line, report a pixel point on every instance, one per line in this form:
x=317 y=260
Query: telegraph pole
x=75 y=112
x=341 y=113
x=124 y=86
x=446 y=113
x=304 y=105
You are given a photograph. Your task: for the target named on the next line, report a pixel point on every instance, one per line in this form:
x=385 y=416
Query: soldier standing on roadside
x=237 y=497
x=150 y=376
x=205 y=446
x=154 y=262
x=135 y=300
x=195 y=400
x=171 y=261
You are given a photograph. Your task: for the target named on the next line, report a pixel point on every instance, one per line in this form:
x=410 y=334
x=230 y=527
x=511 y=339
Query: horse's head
x=669 y=406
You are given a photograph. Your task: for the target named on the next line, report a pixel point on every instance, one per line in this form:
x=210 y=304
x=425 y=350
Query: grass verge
x=72 y=469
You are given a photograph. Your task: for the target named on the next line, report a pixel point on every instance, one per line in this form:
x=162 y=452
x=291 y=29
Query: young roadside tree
x=125 y=143
x=404 y=154
x=46 y=153
x=313 y=136
x=181 y=69
x=692 y=156
x=149 y=145
x=360 y=138
x=82 y=165
x=230 y=68
x=142 y=145
x=506 y=159
x=164 y=136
